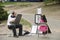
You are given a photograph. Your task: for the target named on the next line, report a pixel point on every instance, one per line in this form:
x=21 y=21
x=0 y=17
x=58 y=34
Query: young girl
x=44 y=28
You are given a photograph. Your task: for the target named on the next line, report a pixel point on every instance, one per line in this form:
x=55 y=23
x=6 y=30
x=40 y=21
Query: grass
x=16 y=3
x=7 y=3
x=25 y=22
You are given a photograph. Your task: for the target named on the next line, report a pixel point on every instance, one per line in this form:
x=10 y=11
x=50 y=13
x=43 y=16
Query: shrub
x=3 y=14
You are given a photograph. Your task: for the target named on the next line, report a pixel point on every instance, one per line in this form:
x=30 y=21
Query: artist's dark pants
x=13 y=28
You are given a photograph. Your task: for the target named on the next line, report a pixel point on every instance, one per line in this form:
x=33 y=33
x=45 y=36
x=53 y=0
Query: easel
x=37 y=21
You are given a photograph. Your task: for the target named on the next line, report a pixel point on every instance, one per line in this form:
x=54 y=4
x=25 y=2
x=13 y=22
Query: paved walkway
x=53 y=23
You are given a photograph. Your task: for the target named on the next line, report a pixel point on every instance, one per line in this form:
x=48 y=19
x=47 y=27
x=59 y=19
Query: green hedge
x=3 y=14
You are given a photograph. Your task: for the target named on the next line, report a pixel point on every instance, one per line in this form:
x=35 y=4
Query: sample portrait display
x=37 y=18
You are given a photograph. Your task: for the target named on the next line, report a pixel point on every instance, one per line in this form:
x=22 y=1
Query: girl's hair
x=44 y=18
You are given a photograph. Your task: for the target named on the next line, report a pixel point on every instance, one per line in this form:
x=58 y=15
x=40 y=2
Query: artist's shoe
x=26 y=32
x=15 y=36
x=21 y=35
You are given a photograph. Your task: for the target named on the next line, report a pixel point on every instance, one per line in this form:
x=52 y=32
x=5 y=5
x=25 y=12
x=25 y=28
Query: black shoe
x=26 y=32
x=15 y=36
x=20 y=35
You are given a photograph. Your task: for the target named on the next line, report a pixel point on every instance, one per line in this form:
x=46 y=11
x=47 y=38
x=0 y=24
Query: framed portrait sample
x=37 y=18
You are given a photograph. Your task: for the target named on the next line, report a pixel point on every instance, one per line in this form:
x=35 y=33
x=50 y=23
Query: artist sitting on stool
x=12 y=26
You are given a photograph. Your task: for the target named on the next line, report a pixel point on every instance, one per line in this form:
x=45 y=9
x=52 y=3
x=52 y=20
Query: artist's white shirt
x=10 y=19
